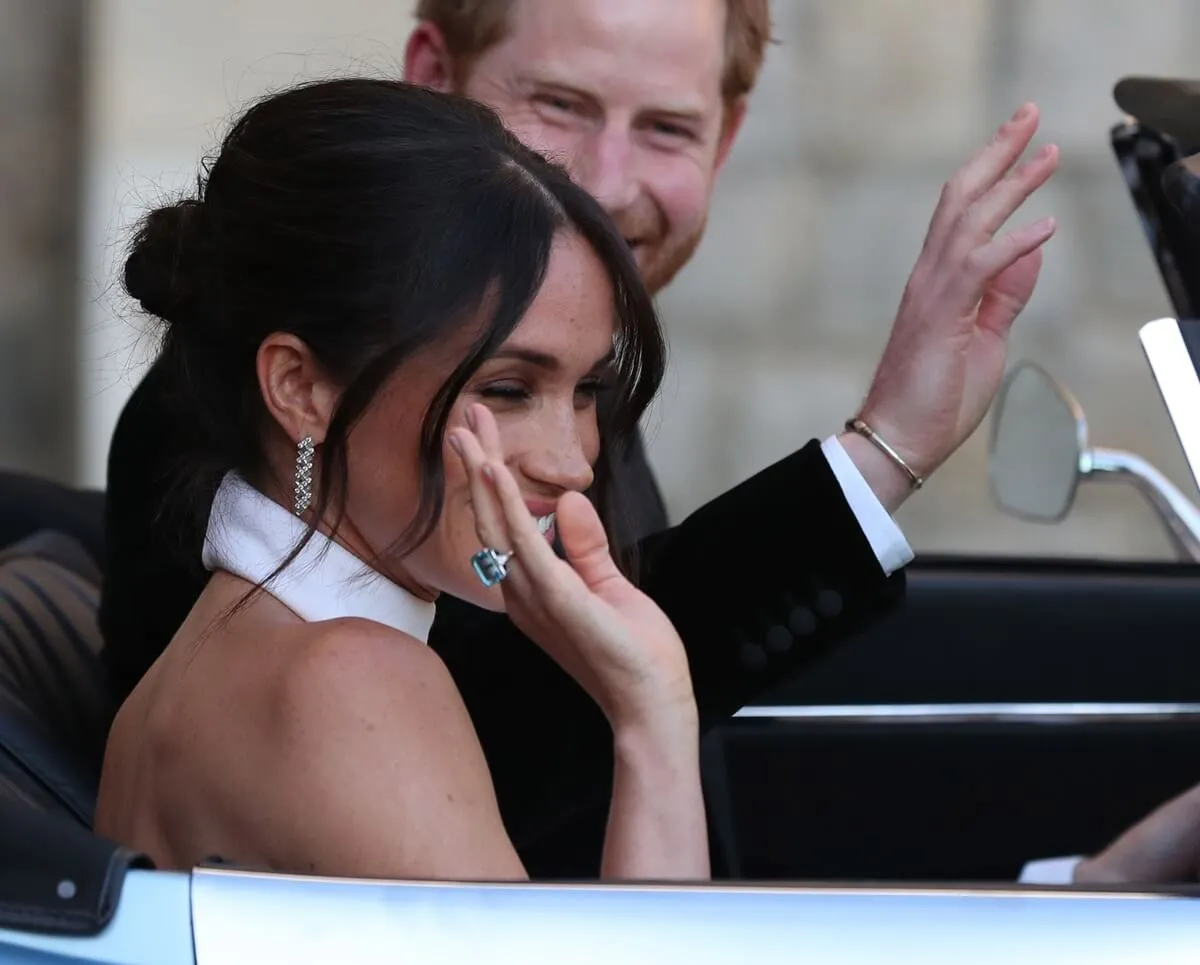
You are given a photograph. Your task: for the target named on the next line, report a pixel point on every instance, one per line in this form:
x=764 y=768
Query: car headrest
x=1170 y=106
x=1181 y=184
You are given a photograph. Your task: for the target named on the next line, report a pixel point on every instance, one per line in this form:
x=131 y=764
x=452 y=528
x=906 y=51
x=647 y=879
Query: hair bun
x=160 y=269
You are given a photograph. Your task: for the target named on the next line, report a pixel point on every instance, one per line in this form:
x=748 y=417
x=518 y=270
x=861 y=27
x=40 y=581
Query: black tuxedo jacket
x=760 y=582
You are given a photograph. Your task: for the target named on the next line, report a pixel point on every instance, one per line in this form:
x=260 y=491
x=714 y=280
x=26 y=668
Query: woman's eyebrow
x=547 y=361
x=543 y=360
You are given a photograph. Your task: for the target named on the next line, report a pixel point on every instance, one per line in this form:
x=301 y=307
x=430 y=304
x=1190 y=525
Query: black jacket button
x=829 y=604
x=753 y=656
x=802 y=621
x=778 y=639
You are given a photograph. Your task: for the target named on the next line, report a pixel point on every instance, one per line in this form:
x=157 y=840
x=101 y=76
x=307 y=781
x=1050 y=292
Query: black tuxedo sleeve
x=765 y=579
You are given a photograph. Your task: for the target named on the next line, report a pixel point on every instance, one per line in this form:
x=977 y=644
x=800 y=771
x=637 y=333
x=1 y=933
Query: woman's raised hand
x=610 y=637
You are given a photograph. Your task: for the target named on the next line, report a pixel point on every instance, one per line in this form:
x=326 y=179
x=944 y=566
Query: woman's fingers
x=483 y=424
x=507 y=513
x=489 y=519
x=584 y=540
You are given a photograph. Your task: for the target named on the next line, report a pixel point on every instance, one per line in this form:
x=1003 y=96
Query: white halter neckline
x=249 y=535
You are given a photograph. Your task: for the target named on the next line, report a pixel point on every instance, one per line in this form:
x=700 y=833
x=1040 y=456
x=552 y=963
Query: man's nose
x=606 y=168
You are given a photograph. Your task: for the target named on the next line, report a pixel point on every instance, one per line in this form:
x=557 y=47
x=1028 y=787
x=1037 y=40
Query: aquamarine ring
x=491 y=566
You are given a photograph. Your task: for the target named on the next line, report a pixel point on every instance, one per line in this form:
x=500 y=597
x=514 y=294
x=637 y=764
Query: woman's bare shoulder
x=375 y=763
x=354 y=668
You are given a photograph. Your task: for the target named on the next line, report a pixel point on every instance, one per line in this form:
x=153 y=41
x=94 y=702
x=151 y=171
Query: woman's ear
x=295 y=389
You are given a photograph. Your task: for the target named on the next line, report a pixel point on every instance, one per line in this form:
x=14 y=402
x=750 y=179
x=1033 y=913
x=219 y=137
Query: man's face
x=626 y=93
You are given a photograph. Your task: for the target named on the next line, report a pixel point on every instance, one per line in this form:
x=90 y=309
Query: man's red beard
x=664 y=264
x=659 y=259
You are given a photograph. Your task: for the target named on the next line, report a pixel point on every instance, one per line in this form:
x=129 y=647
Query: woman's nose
x=559 y=461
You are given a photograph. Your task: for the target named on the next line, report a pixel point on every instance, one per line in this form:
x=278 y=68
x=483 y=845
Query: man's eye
x=558 y=103
x=673 y=131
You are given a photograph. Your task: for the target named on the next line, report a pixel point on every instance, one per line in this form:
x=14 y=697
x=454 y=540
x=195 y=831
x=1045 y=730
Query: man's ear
x=735 y=113
x=427 y=60
x=295 y=390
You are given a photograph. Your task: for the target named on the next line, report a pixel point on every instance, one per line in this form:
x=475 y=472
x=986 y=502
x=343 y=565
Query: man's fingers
x=1009 y=293
x=987 y=261
x=1000 y=153
x=984 y=169
x=990 y=212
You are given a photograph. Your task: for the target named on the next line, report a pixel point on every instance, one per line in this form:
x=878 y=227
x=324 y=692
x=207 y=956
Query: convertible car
x=1013 y=709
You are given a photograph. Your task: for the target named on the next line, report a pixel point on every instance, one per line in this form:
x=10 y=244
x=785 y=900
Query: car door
x=1013 y=709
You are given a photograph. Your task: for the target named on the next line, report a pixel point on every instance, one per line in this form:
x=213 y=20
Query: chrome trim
x=1020 y=713
x=1081 y=439
x=243 y=918
x=1178 y=514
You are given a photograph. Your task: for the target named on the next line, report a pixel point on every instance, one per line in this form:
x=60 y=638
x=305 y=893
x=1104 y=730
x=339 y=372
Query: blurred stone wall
x=40 y=132
x=866 y=106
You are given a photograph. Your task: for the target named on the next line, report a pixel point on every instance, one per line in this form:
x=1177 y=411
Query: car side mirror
x=1038 y=446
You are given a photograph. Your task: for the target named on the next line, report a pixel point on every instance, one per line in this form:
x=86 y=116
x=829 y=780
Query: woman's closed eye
x=591 y=388
x=512 y=392
x=505 y=391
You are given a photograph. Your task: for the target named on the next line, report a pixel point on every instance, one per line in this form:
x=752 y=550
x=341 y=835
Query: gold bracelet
x=857 y=425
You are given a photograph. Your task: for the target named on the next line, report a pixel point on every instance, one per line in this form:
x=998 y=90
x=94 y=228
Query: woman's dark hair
x=368 y=218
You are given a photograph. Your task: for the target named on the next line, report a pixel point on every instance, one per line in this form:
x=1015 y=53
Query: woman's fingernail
x=456 y=443
x=488 y=472
x=471 y=417
x=1022 y=112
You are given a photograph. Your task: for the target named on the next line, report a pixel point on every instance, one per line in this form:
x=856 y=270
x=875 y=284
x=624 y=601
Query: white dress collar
x=249 y=535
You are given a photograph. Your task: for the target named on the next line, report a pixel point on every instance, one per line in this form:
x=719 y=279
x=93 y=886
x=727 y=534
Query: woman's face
x=541 y=385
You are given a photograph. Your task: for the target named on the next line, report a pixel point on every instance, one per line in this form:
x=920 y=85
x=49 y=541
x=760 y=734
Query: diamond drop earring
x=304 y=468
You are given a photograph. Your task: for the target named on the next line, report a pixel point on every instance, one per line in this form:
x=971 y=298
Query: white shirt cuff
x=1050 y=871
x=890 y=546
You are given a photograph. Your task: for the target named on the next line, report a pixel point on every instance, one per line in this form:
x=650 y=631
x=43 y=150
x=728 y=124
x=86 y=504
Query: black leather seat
x=1181 y=182
x=29 y=504
x=56 y=878
x=55 y=702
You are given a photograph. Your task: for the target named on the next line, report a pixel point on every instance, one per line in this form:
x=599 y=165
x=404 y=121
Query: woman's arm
x=656 y=825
